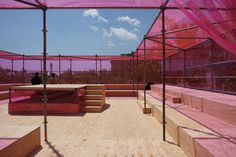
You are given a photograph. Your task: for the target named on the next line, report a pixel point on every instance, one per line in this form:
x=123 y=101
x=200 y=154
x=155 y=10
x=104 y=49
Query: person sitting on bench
x=36 y=79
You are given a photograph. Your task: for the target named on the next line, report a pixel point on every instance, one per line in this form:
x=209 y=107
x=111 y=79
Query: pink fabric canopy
x=187 y=22
x=62 y=4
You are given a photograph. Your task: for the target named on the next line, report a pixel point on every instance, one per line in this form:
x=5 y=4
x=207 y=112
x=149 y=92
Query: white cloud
x=135 y=30
x=95 y=14
x=120 y=33
x=94 y=28
x=110 y=44
x=132 y=21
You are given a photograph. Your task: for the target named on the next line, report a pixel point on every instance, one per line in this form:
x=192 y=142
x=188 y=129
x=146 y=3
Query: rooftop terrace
x=120 y=130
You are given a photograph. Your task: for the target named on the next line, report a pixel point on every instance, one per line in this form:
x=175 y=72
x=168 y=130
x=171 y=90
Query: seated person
x=36 y=79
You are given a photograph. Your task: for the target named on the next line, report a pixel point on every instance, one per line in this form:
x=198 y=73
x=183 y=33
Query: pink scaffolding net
x=192 y=23
x=16 y=68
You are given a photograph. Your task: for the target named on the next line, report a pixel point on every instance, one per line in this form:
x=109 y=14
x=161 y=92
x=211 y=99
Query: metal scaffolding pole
x=44 y=9
x=23 y=70
x=59 y=73
x=12 y=71
x=133 y=70
x=137 y=85
x=100 y=73
x=184 y=69
x=163 y=74
x=212 y=60
x=71 y=71
x=41 y=65
x=160 y=72
x=144 y=78
x=96 y=56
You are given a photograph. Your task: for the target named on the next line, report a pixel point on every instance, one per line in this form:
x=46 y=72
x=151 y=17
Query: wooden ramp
x=121 y=130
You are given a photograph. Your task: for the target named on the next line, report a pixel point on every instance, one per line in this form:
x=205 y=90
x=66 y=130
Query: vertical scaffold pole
x=59 y=68
x=163 y=73
x=144 y=78
x=100 y=73
x=23 y=69
x=185 y=69
x=71 y=71
x=212 y=61
x=12 y=71
x=45 y=72
x=41 y=66
x=133 y=70
x=137 y=83
x=96 y=56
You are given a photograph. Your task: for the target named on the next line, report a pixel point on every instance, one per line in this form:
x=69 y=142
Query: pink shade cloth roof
x=182 y=32
x=70 y=4
x=63 y=4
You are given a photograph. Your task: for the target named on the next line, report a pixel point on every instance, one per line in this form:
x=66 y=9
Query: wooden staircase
x=94 y=98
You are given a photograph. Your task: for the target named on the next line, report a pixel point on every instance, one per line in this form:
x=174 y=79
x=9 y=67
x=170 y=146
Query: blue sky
x=75 y=32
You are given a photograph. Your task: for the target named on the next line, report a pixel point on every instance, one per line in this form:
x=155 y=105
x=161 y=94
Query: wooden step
x=121 y=93
x=171 y=98
x=92 y=103
x=124 y=86
x=95 y=87
x=195 y=139
x=94 y=92
x=95 y=109
x=93 y=97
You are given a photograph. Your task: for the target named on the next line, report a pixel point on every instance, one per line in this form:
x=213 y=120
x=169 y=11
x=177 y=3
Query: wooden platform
x=62 y=99
x=122 y=130
x=21 y=140
x=4 y=90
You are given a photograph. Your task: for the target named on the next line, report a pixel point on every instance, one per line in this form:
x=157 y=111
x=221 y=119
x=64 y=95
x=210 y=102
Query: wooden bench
x=19 y=140
x=186 y=126
x=169 y=97
x=122 y=90
x=4 y=95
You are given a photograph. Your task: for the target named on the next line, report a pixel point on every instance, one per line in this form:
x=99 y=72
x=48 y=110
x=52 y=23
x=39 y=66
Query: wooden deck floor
x=121 y=130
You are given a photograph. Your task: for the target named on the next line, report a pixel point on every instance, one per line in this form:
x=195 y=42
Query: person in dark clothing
x=36 y=79
x=148 y=86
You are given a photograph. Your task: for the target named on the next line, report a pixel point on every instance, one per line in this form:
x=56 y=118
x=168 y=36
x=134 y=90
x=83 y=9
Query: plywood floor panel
x=120 y=130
